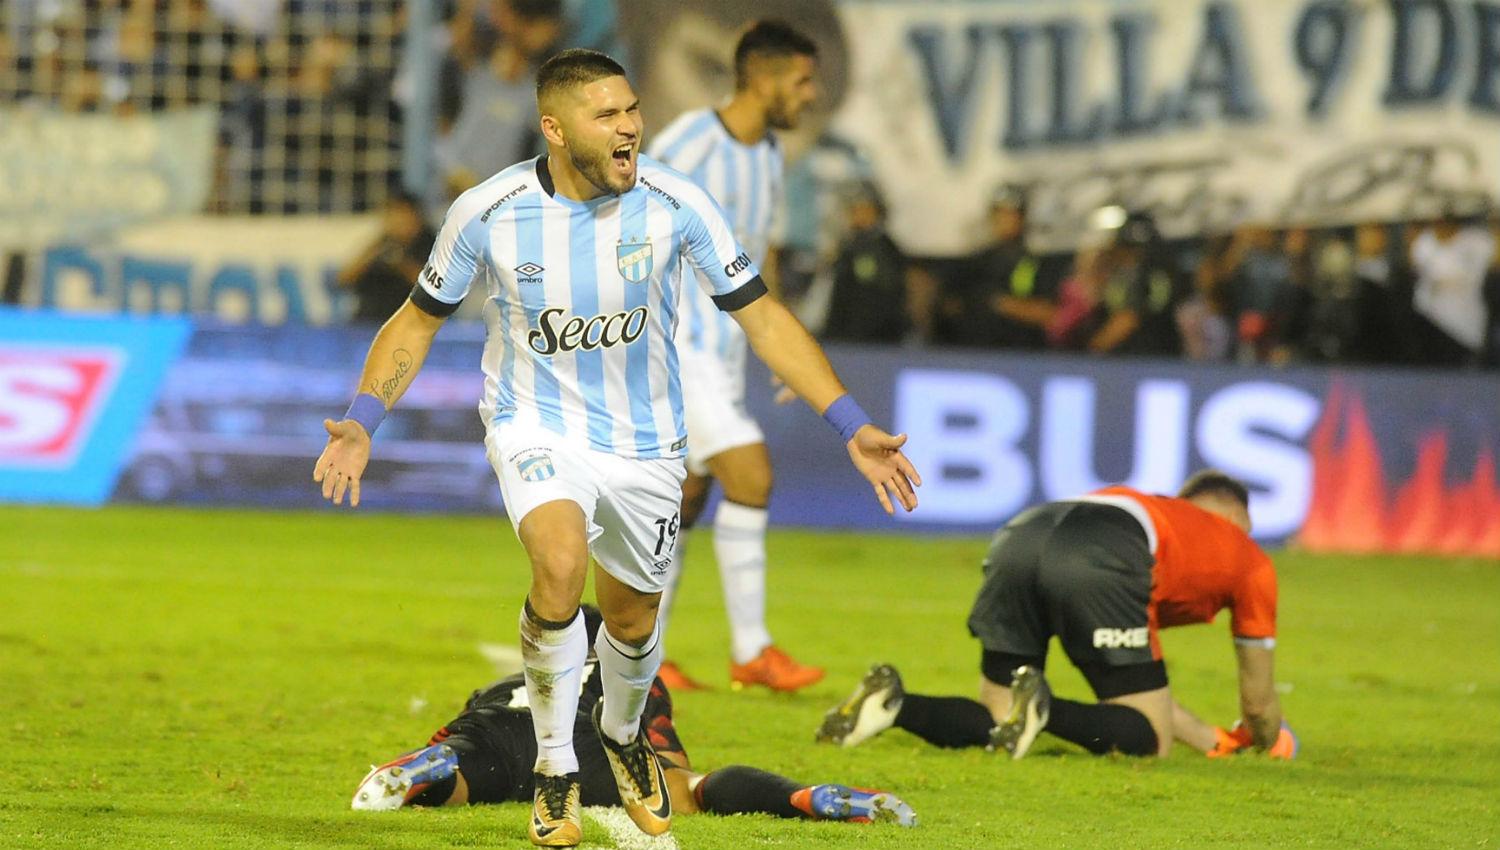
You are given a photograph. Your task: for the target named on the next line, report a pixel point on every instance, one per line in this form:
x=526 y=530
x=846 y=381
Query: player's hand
x=343 y=460
x=1286 y=745
x=1236 y=739
x=877 y=455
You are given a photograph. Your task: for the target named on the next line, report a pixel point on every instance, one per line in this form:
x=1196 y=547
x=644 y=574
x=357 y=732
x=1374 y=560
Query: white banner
x=71 y=178
x=1208 y=114
x=264 y=269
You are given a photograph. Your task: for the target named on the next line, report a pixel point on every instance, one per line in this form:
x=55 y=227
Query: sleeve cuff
x=1260 y=643
x=431 y=306
x=741 y=298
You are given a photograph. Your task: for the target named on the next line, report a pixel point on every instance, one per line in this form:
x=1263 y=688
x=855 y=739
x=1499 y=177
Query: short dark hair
x=641 y=32
x=769 y=39
x=1214 y=481
x=575 y=66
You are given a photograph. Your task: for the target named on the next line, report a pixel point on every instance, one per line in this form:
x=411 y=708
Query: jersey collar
x=544 y=178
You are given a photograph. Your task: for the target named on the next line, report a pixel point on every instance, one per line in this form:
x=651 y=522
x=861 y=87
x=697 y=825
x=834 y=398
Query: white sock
x=553 y=661
x=626 y=672
x=669 y=593
x=740 y=549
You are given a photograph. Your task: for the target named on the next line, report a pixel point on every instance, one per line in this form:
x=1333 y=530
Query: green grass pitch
x=223 y=679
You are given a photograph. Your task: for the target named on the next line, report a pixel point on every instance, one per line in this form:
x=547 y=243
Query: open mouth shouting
x=623 y=159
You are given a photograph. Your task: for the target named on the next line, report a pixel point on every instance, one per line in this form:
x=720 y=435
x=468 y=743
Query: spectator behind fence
x=1142 y=293
x=1333 y=332
x=1258 y=273
x=1202 y=318
x=1451 y=259
x=496 y=121
x=1002 y=296
x=1080 y=312
x=383 y=274
x=1383 y=282
x=1318 y=315
x=872 y=299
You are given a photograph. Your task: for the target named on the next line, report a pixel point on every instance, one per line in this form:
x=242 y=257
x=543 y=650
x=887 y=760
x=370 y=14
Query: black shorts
x=496 y=744
x=1080 y=571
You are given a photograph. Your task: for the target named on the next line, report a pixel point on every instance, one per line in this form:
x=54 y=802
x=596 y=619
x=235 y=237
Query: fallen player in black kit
x=486 y=754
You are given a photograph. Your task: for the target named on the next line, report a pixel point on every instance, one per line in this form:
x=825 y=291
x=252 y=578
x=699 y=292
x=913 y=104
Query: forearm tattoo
x=386 y=390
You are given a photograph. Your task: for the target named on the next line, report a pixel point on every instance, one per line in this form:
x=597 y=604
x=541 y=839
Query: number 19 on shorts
x=666 y=535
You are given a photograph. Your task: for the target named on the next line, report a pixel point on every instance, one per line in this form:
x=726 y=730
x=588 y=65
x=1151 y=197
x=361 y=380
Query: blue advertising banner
x=1337 y=460
x=240 y=420
x=73 y=393
x=1363 y=453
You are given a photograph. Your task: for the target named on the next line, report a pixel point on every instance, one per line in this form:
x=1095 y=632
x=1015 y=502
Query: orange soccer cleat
x=676 y=680
x=1286 y=745
x=774 y=669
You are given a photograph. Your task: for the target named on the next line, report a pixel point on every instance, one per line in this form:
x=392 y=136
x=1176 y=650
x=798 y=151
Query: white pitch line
x=506 y=658
x=624 y=831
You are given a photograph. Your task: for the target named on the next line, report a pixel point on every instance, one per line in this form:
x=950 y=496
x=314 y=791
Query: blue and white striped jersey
x=746 y=180
x=583 y=299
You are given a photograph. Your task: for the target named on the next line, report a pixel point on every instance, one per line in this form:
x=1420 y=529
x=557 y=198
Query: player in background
x=1103 y=573
x=733 y=152
x=581 y=252
x=485 y=755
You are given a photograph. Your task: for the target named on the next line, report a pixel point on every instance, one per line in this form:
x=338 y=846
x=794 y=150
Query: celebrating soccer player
x=734 y=154
x=1102 y=573
x=582 y=252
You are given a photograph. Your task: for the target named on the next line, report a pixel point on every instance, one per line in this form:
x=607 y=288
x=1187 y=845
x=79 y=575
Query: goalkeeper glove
x=1231 y=741
x=1236 y=739
x=1286 y=745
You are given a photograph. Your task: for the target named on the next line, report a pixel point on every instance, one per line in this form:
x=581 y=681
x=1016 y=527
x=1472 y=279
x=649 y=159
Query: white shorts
x=630 y=506
x=713 y=402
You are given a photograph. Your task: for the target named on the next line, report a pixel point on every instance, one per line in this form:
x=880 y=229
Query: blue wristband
x=846 y=416
x=368 y=411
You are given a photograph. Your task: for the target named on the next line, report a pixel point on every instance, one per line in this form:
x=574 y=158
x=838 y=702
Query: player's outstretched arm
x=796 y=358
x=395 y=357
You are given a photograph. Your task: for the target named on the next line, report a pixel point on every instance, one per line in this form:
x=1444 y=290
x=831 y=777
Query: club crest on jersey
x=634 y=259
x=535 y=465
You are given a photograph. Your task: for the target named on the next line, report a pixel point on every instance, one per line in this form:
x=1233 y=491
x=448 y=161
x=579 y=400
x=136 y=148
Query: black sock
x=738 y=790
x=435 y=794
x=488 y=778
x=1101 y=727
x=945 y=721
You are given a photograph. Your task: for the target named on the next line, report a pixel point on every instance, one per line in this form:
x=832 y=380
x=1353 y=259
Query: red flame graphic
x=1353 y=511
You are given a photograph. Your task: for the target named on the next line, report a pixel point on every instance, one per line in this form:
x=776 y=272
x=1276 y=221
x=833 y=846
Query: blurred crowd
x=303 y=88
x=1413 y=293
x=311 y=96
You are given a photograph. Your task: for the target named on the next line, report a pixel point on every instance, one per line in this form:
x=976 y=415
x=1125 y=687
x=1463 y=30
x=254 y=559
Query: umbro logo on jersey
x=602 y=331
x=1121 y=638
x=529 y=273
